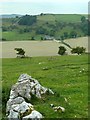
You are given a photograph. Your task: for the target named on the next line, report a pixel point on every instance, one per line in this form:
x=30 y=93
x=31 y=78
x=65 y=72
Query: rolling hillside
x=59 y=26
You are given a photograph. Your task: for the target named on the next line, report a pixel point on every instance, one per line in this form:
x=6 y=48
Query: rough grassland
x=40 y=48
x=67 y=76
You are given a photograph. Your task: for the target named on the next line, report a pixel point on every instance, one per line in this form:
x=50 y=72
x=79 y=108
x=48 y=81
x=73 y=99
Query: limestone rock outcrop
x=22 y=91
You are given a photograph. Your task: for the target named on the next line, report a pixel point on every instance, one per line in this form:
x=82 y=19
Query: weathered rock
x=26 y=86
x=11 y=102
x=59 y=108
x=24 y=77
x=23 y=107
x=17 y=107
x=13 y=115
x=34 y=115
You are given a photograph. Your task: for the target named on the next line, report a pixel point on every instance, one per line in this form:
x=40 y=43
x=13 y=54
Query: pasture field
x=61 y=17
x=67 y=76
x=41 y=48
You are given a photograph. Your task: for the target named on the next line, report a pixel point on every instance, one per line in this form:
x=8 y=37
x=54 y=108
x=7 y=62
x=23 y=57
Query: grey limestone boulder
x=34 y=115
x=22 y=91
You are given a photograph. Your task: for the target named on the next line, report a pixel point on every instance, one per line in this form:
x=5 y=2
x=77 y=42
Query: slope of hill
x=58 y=26
x=61 y=17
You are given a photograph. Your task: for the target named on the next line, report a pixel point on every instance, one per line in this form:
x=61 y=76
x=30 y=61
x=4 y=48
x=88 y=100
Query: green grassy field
x=15 y=36
x=61 y=17
x=67 y=76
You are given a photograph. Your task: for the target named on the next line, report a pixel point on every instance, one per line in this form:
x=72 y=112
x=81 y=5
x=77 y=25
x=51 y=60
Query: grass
x=61 y=17
x=63 y=76
x=15 y=36
x=69 y=17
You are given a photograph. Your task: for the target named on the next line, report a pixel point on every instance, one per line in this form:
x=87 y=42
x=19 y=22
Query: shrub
x=73 y=34
x=4 y=28
x=83 y=19
x=20 y=52
x=27 y=20
x=62 y=37
x=78 y=50
x=62 y=50
x=41 y=30
x=3 y=39
x=41 y=38
x=32 y=38
x=66 y=35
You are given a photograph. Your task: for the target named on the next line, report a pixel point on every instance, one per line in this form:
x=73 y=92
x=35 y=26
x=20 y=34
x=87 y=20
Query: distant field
x=82 y=41
x=15 y=36
x=61 y=17
x=40 y=48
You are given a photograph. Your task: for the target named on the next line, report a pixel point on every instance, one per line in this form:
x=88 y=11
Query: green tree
x=17 y=16
x=41 y=30
x=41 y=14
x=52 y=32
x=84 y=27
x=21 y=31
x=78 y=50
x=65 y=35
x=4 y=28
x=26 y=30
x=62 y=37
x=73 y=34
x=62 y=50
x=20 y=52
x=41 y=38
x=27 y=20
x=32 y=38
x=3 y=39
x=83 y=19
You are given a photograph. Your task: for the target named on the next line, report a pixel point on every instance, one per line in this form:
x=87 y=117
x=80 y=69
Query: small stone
x=45 y=68
x=59 y=108
x=65 y=100
x=50 y=91
x=52 y=105
x=13 y=115
x=34 y=115
x=62 y=108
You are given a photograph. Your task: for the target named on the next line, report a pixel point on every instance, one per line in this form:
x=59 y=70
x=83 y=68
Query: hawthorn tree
x=78 y=50
x=20 y=52
x=62 y=50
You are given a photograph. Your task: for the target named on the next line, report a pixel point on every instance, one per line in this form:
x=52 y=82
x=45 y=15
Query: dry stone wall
x=17 y=107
